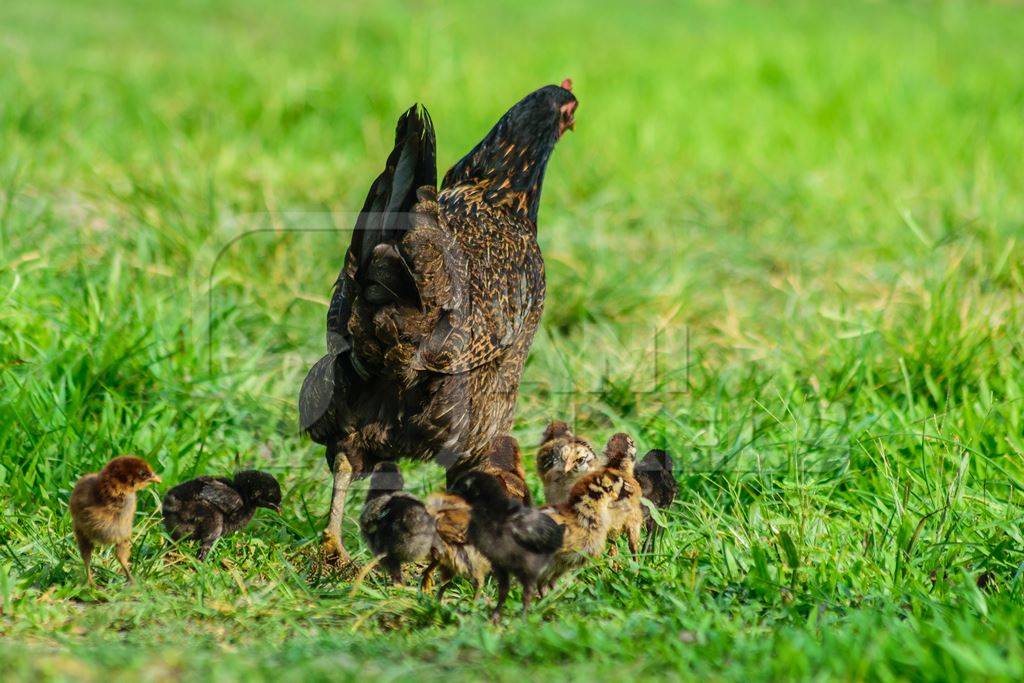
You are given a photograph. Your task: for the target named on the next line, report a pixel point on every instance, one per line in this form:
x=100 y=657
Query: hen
x=437 y=303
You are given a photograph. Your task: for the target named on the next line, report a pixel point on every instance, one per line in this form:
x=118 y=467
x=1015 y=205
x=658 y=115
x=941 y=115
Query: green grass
x=817 y=211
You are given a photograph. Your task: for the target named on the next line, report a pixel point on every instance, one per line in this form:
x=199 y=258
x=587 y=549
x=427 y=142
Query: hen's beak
x=567 y=120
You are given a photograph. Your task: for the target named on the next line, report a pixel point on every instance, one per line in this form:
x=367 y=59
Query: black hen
x=658 y=483
x=517 y=540
x=206 y=508
x=395 y=524
x=437 y=303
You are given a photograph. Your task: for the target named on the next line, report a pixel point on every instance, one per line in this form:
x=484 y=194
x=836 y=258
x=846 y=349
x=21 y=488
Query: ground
x=784 y=243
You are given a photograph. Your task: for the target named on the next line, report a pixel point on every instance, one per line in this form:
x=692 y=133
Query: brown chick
x=454 y=554
x=562 y=459
x=627 y=512
x=103 y=508
x=587 y=518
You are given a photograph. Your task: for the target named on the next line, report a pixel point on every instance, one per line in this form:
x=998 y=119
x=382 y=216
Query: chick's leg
x=334 y=551
x=633 y=538
x=85 y=549
x=503 y=587
x=123 y=550
x=426 y=580
x=209 y=531
x=527 y=596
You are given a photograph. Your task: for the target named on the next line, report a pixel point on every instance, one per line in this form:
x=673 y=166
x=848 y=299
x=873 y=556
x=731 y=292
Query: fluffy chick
x=454 y=554
x=627 y=512
x=562 y=459
x=658 y=484
x=103 y=508
x=394 y=524
x=505 y=461
x=517 y=540
x=206 y=508
x=587 y=518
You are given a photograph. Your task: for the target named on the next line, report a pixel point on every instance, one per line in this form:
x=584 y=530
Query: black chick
x=206 y=508
x=517 y=540
x=395 y=524
x=659 y=485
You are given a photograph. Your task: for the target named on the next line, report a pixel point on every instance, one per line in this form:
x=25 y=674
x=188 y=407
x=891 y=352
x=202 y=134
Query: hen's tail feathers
x=377 y=266
x=656 y=474
x=384 y=218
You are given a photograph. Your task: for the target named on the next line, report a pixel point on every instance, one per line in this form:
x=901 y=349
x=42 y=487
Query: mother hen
x=437 y=303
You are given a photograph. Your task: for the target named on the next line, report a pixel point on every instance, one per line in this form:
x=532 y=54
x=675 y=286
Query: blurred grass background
x=815 y=208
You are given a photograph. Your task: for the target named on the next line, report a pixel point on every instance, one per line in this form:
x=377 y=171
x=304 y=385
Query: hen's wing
x=501 y=289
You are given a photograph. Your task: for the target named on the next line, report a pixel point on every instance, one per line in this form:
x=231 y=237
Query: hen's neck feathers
x=506 y=167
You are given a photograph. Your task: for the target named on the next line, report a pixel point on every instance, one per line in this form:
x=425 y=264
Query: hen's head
x=508 y=164
x=543 y=116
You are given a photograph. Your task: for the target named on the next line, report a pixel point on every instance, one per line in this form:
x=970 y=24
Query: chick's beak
x=276 y=508
x=569 y=464
x=155 y=478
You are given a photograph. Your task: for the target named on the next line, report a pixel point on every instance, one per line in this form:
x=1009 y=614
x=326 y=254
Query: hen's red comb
x=567 y=84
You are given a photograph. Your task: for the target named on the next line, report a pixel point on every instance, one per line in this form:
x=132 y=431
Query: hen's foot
x=334 y=553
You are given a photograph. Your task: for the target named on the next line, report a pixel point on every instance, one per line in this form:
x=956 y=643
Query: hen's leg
x=334 y=550
x=123 y=550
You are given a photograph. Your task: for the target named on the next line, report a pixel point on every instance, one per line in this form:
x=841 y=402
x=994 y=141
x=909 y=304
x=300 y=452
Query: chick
x=517 y=540
x=562 y=459
x=206 y=508
x=453 y=552
x=395 y=524
x=504 y=460
x=627 y=512
x=587 y=519
x=103 y=508
x=658 y=483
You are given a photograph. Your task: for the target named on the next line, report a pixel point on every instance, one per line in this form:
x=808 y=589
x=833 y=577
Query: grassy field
x=784 y=242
